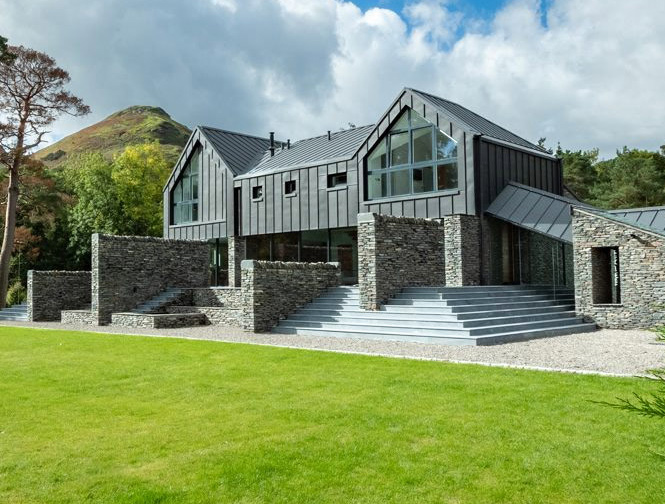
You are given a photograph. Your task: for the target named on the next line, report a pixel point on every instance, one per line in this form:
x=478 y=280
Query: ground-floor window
x=322 y=245
x=219 y=262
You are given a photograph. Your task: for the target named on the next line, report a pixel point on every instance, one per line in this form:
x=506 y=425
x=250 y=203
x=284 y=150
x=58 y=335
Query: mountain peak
x=141 y=109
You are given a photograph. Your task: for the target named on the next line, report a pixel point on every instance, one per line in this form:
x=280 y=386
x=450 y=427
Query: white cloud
x=591 y=76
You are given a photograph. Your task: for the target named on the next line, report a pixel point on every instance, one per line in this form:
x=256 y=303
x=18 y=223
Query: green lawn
x=105 y=418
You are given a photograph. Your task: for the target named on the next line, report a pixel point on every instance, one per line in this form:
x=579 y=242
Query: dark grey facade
x=249 y=187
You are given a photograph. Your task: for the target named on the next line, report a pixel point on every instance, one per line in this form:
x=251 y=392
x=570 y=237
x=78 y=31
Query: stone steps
x=18 y=312
x=158 y=303
x=452 y=315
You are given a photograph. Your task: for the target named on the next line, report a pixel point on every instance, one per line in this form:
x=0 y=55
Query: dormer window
x=414 y=157
x=185 y=194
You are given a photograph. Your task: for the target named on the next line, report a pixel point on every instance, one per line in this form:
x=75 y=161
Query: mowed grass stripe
x=109 y=418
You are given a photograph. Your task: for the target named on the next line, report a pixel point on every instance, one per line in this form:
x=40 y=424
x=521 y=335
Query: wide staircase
x=18 y=312
x=482 y=315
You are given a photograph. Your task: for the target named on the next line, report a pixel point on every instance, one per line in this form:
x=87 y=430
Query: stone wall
x=272 y=290
x=50 y=292
x=462 y=250
x=78 y=317
x=237 y=252
x=642 y=272
x=397 y=252
x=228 y=297
x=128 y=270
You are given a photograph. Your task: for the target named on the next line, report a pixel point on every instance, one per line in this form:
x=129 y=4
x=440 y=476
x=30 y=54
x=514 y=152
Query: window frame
x=410 y=166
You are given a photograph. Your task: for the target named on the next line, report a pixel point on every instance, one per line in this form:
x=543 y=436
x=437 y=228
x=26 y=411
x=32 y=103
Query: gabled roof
x=474 y=122
x=240 y=152
x=312 y=151
x=535 y=210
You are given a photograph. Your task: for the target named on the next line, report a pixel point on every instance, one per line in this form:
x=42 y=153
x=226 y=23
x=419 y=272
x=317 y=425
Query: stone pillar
x=462 y=244
x=397 y=252
x=236 y=251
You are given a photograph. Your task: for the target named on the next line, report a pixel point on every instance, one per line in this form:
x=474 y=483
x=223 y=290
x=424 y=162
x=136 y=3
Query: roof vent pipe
x=272 y=143
x=329 y=135
x=288 y=143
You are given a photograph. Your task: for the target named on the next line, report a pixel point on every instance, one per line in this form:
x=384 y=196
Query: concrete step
x=429 y=322
x=470 y=300
x=461 y=308
x=491 y=339
x=483 y=295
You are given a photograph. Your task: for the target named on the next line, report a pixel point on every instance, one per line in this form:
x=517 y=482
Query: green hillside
x=133 y=125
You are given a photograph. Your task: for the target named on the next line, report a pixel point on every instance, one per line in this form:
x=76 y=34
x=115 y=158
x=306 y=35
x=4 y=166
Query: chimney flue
x=272 y=143
x=329 y=135
x=288 y=143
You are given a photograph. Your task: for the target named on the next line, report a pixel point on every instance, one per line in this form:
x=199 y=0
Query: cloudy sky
x=584 y=73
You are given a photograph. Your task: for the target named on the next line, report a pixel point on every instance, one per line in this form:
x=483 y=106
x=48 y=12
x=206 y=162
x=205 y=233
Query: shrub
x=16 y=293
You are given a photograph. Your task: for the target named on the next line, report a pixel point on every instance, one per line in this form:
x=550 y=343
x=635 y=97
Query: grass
x=106 y=418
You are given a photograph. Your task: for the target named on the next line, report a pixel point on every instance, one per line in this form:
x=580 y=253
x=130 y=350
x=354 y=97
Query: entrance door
x=509 y=254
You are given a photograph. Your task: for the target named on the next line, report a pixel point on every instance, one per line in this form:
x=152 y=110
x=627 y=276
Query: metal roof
x=535 y=210
x=240 y=152
x=652 y=217
x=312 y=151
x=475 y=122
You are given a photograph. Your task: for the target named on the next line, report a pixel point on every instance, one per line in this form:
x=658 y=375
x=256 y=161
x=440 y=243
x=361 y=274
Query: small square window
x=336 y=180
x=290 y=187
x=257 y=192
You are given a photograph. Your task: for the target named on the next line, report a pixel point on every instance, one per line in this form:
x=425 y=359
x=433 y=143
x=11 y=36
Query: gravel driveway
x=615 y=352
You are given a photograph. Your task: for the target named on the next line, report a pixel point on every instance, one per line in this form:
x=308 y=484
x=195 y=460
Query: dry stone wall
x=397 y=252
x=462 y=250
x=128 y=270
x=272 y=290
x=642 y=272
x=50 y=292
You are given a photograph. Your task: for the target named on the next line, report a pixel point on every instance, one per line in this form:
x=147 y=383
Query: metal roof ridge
x=637 y=209
x=221 y=130
x=609 y=216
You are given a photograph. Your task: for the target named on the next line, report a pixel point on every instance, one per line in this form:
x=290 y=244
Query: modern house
x=426 y=157
x=453 y=228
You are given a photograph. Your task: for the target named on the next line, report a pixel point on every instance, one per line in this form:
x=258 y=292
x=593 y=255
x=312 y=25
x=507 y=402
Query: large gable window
x=185 y=194
x=414 y=157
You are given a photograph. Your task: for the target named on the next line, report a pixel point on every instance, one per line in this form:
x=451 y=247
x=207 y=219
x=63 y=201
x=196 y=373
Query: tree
x=579 y=172
x=32 y=96
x=6 y=57
x=634 y=178
x=140 y=173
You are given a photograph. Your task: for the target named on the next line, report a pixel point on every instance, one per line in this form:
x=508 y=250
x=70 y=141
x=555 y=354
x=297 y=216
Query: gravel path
x=614 y=352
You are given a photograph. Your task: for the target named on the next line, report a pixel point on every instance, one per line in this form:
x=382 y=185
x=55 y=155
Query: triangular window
x=413 y=157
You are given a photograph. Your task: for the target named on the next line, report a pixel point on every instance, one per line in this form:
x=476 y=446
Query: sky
x=583 y=74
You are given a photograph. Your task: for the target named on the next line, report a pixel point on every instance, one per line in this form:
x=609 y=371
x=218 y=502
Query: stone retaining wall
x=397 y=252
x=642 y=272
x=215 y=315
x=79 y=317
x=229 y=297
x=128 y=270
x=50 y=292
x=462 y=250
x=158 y=320
x=272 y=290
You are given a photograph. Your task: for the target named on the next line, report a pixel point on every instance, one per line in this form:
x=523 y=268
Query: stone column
x=462 y=244
x=236 y=251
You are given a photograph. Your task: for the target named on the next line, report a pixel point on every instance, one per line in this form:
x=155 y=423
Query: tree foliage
x=634 y=178
x=123 y=196
x=6 y=57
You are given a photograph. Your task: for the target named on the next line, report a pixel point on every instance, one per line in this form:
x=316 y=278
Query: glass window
x=285 y=247
x=257 y=192
x=399 y=182
x=378 y=158
x=344 y=250
x=290 y=187
x=377 y=185
x=423 y=179
x=185 y=195
x=421 y=158
x=336 y=180
x=422 y=145
x=399 y=149
x=258 y=248
x=446 y=176
x=314 y=246
x=446 y=147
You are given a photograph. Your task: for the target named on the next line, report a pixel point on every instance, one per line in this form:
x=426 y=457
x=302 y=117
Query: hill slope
x=133 y=125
